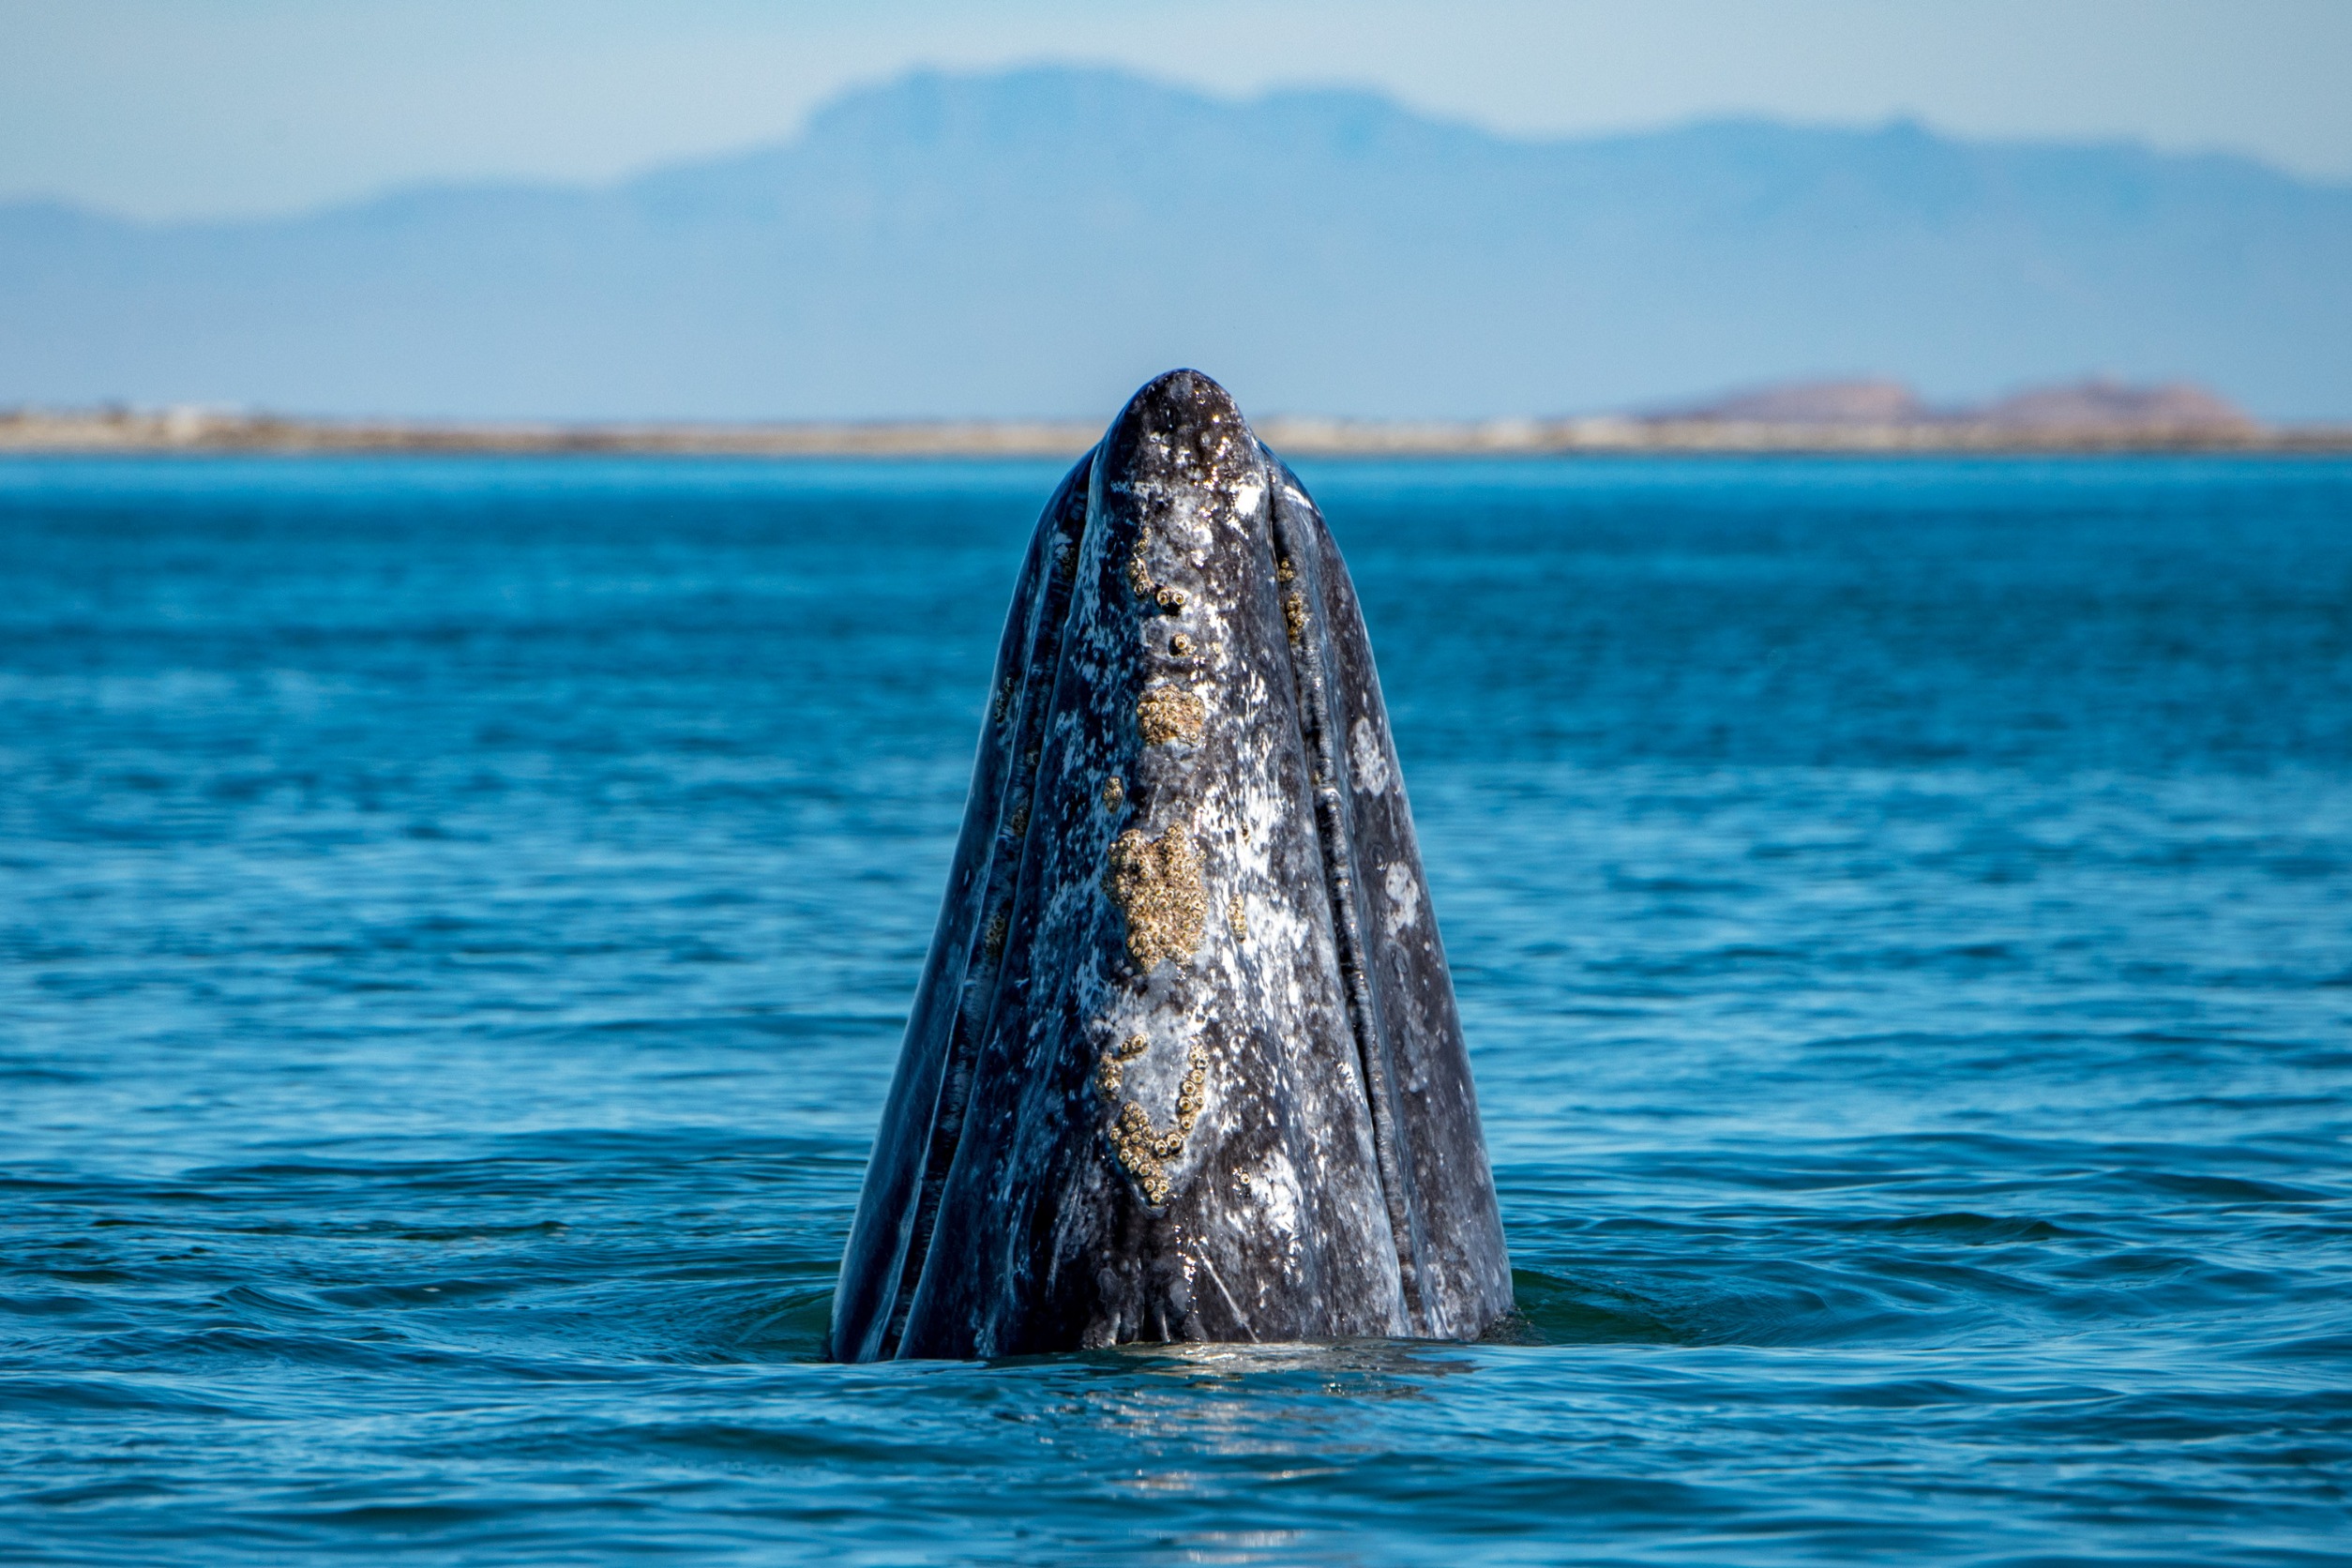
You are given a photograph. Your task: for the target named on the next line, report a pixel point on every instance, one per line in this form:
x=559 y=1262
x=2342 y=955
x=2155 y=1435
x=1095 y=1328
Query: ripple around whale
x=1185 y=1062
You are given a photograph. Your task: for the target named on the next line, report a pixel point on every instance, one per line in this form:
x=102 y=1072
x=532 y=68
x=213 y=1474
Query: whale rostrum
x=1185 y=1062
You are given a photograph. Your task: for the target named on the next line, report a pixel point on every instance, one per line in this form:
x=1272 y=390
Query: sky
x=176 y=109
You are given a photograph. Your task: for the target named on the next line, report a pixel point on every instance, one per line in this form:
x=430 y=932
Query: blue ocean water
x=456 y=919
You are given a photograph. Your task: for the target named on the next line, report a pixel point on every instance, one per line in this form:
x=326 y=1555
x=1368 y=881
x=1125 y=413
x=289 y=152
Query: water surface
x=456 y=918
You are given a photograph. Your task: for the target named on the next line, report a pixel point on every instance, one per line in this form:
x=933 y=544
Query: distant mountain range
x=1036 y=243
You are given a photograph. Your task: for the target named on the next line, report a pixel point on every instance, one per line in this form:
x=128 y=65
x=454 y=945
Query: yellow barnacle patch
x=1167 y=713
x=1146 y=1152
x=1156 y=885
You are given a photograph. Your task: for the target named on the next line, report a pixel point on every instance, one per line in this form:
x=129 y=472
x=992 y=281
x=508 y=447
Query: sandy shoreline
x=133 y=431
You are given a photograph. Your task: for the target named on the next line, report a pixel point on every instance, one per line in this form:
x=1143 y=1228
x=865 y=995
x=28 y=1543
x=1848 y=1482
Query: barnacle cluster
x=1113 y=1062
x=1167 y=713
x=1156 y=885
x=1145 y=1151
x=1139 y=564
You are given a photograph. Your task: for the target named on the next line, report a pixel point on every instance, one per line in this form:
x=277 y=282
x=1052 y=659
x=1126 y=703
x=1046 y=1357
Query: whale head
x=1184 y=1063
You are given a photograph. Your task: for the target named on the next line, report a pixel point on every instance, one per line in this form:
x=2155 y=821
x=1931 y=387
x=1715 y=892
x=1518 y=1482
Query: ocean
x=457 y=917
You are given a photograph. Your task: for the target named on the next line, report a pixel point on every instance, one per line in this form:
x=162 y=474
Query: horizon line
x=194 y=432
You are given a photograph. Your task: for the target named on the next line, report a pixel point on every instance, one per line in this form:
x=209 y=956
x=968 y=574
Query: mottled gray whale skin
x=1184 y=1063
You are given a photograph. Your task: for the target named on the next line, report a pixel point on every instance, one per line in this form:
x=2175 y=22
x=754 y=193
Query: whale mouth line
x=1376 y=1066
x=1069 y=516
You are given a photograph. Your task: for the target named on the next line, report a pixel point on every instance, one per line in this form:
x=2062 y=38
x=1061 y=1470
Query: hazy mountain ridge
x=1037 y=242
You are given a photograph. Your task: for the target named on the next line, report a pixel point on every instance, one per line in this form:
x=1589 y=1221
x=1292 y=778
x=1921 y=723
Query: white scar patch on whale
x=1404 y=898
x=1371 y=762
x=1245 y=499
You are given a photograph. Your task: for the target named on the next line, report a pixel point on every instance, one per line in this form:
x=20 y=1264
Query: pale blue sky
x=178 y=108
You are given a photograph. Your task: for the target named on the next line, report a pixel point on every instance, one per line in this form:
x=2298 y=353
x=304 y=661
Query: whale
x=1184 y=1063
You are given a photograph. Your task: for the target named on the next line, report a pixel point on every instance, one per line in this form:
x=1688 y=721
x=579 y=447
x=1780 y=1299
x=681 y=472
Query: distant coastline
x=131 y=432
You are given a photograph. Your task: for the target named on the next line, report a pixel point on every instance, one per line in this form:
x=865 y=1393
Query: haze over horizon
x=1034 y=242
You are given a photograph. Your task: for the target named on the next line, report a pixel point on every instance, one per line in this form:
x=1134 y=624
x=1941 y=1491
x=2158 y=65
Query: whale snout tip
x=1182 y=416
x=1180 y=397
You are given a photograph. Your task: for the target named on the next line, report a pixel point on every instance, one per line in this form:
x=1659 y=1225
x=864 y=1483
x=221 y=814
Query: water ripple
x=456 y=920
